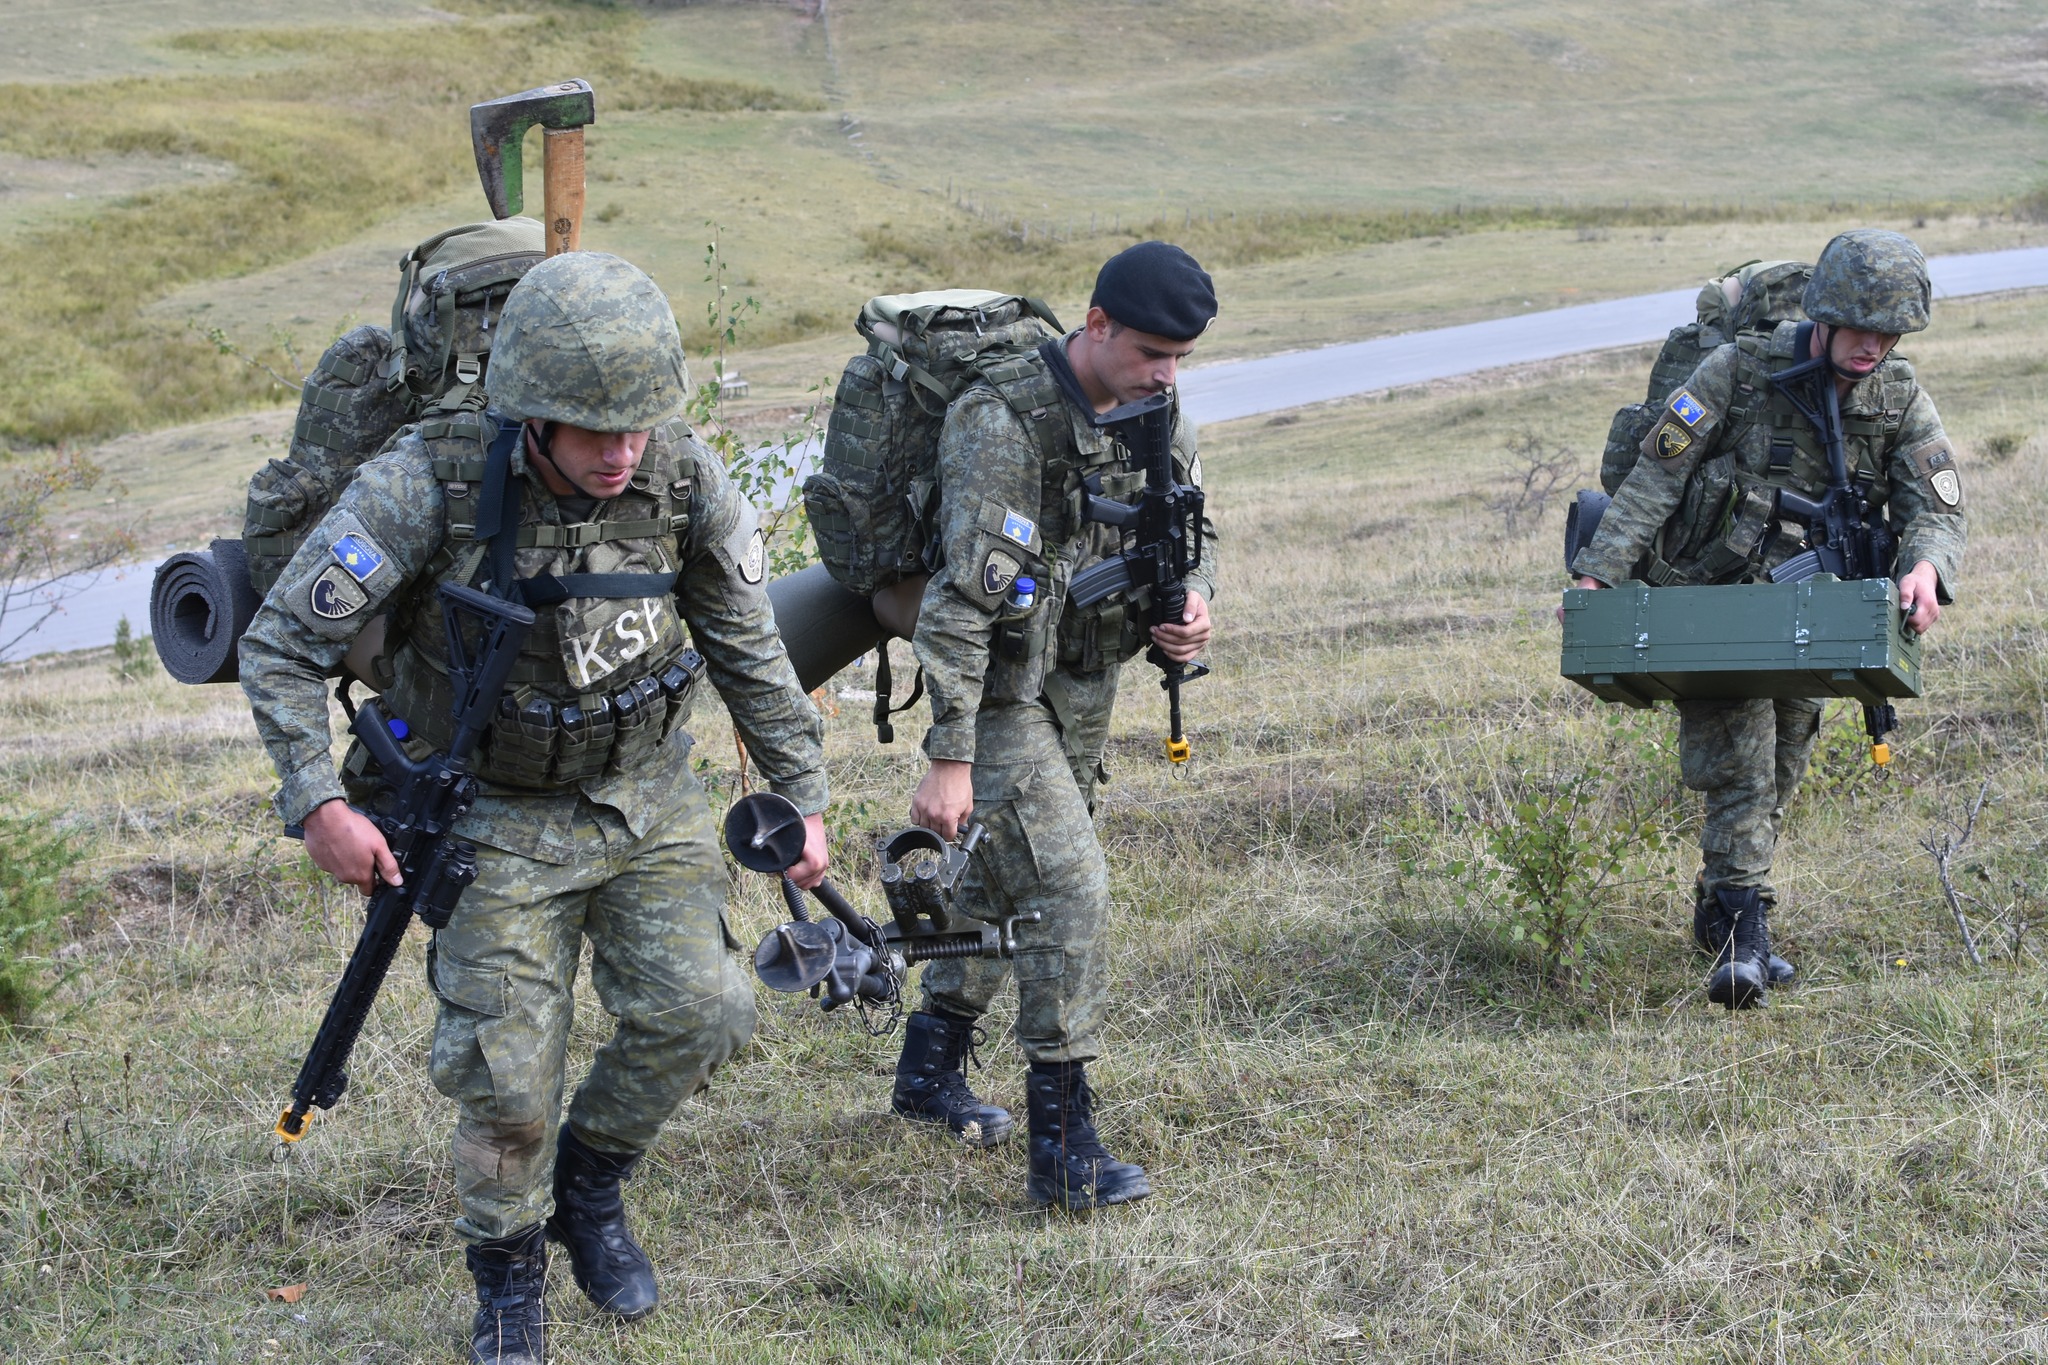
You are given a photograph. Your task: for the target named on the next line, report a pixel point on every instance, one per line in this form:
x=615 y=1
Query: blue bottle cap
x=398 y=728
x=1025 y=585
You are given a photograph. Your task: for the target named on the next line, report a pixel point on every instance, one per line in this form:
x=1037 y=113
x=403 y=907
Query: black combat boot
x=511 y=1290
x=590 y=1221
x=1069 y=1165
x=1711 y=924
x=1742 y=975
x=931 y=1086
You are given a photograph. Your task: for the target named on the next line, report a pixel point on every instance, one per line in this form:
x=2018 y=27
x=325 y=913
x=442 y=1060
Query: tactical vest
x=605 y=674
x=1725 y=529
x=1025 y=644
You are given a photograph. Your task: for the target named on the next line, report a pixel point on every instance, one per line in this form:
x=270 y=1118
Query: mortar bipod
x=921 y=889
x=845 y=955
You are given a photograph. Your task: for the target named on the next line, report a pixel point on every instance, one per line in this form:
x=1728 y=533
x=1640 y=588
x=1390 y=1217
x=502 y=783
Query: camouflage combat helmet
x=588 y=339
x=1871 y=280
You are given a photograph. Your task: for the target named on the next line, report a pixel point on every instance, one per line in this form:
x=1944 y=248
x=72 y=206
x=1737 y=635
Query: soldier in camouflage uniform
x=1700 y=507
x=1021 y=701
x=591 y=825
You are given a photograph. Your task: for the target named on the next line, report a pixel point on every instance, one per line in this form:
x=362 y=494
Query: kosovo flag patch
x=1018 y=527
x=1686 y=408
x=359 y=555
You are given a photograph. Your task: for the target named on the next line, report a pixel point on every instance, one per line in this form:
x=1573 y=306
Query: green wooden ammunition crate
x=1818 y=638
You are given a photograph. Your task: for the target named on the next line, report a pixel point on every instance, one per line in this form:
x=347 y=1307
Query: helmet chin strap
x=1826 y=332
x=541 y=440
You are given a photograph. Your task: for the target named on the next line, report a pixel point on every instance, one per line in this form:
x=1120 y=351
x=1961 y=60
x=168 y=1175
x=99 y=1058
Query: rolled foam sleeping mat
x=825 y=625
x=199 y=605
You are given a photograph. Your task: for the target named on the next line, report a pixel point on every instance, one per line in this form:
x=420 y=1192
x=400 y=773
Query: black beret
x=1158 y=288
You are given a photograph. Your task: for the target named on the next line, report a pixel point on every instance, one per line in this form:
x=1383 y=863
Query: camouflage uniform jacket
x=400 y=505
x=1006 y=511
x=1697 y=506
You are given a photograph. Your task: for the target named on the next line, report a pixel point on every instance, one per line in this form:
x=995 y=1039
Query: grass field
x=1375 y=1131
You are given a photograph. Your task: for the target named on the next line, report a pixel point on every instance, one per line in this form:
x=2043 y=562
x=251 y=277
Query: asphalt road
x=89 y=613
x=1246 y=388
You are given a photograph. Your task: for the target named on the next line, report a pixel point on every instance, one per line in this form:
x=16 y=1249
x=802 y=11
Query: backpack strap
x=885 y=733
x=408 y=276
x=1027 y=385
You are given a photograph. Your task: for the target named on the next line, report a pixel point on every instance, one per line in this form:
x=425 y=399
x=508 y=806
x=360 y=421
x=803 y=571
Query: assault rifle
x=847 y=958
x=419 y=806
x=1162 y=541
x=1845 y=536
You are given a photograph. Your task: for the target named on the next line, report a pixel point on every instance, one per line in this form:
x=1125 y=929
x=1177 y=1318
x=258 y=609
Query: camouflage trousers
x=505 y=972
x=1034 y=790
x=1746 y=758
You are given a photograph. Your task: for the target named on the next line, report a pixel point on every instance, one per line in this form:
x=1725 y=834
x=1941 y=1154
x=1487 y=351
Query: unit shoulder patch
x=1687 y=408
x=1195 y=471
x=336 y=594
x=358 y=554
x=998 y=572
x=1936 y=463
x=1670 y=440
x=754 y=563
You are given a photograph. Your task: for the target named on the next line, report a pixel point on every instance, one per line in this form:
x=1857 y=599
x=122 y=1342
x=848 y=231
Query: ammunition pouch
x=538 y=742
x=1110 y=632
x=1017 y=655
x=1021 y=639
x=535 y=741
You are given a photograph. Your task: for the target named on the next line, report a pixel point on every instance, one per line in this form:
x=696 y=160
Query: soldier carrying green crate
x=1749 y=476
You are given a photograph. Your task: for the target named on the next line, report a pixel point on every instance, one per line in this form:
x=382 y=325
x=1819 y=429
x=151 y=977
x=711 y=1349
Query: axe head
x=497 y=129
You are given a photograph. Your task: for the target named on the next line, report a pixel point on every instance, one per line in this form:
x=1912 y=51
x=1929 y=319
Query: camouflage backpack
x=1754 y=297
x=427 y=368
x=875 y=495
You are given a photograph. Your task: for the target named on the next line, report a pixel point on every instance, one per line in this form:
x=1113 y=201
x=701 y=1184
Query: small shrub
x=1559 y=854
x=33 y=861
x=2000 y=446
x=134 y=659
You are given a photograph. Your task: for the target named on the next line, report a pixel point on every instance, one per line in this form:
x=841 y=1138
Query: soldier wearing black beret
x=1019 y=730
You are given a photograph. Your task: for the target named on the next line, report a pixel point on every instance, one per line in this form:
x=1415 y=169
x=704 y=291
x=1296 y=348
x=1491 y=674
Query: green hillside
x=869 y=146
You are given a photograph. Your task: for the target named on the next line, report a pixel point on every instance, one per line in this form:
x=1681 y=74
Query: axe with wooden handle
x=497 y=128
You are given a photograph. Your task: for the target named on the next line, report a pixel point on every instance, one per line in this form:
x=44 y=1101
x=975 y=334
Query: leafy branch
x=279 y=338
x=767 y=474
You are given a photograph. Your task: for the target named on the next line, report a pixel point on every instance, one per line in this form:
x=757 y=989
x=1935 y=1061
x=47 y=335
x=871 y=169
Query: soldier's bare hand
x=1584 y=581
x=944 y=798
x=1919 y=597
x=1183 y=642
x=809 y=870
x=348 y=848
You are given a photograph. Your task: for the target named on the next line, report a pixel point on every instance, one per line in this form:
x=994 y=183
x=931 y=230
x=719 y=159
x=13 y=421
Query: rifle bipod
x=847 y=958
